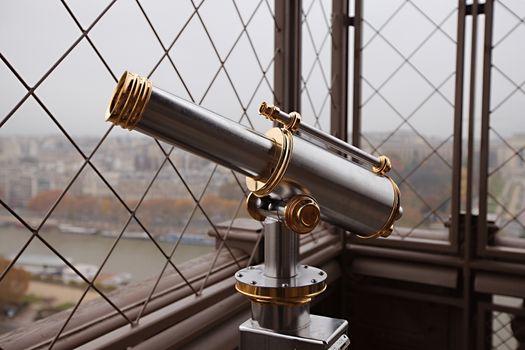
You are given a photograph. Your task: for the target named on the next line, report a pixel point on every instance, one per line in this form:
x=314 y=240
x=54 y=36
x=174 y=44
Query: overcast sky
x=34 y=35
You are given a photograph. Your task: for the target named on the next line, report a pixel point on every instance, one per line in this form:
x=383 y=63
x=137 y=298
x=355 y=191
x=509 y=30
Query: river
x=139 y=257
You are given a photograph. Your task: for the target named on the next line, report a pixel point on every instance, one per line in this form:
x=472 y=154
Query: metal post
x=287 y=67
x=470 y=239
x=339 y=88
x=281 y=250
x=485 y=124
x=458 y=130
x=281 y=253
x=357 y=93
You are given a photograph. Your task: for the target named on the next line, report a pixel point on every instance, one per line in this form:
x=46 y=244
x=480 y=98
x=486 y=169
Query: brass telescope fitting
x=300 y=213
x=292 y=121
x=283 y=142
x=129 y=100
x=252 y=283
x=274 y=114
x=384 y=166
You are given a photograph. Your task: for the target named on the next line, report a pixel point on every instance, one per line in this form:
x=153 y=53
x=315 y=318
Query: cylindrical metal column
x=281 y=254
x=281 y=250
x=281 y=317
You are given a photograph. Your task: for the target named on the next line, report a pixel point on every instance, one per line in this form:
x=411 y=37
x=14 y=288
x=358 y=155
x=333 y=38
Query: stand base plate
x=323 y=333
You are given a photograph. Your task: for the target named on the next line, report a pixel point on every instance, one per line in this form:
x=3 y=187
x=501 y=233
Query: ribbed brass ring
x=283 y=296
x=283 y=140
x=129 y=100
x=384 y=166
x=268 y=111
x=302 y=214
x=387 y=228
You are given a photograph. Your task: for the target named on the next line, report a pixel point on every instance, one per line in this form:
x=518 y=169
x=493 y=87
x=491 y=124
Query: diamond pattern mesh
x=506 y=190
x=316 y=63
x=507 y=331
x=132 y=201
x=407 y=104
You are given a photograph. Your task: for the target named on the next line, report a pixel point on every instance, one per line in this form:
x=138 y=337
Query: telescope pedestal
x=280 y=292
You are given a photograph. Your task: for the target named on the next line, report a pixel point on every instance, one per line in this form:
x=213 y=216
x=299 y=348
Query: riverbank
x=58 y=294
x=140 y=258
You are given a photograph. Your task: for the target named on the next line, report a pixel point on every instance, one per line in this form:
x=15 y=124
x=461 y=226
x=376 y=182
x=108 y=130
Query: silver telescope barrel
x=349 y=196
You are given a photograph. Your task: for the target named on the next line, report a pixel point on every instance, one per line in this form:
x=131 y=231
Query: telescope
x=297 y=176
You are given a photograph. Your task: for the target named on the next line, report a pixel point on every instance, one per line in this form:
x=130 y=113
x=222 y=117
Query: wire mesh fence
x=505 y=328
x=408 y=55
x=506 y=162
x=87 y=208
x=502 y=334
x=316 y=63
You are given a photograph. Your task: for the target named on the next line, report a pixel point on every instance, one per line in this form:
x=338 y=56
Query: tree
x=43 y=201
x=14 y=285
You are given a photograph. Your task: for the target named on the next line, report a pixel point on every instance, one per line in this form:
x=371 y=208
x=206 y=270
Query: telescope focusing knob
x=302 y=214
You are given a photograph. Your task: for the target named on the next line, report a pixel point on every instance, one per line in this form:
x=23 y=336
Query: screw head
x=254 y=282
x=313 y=280
x=321 y=273
x=239 y=275
x=284 y=285
x=305 y=266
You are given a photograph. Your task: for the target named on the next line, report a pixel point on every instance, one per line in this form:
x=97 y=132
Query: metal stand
x=280 y=292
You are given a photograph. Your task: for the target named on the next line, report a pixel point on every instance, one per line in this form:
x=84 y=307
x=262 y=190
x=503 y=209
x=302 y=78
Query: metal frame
x=287 y=67
x=458 y=128
x=339 y=92
x=459 y=242
x=450 y=246
x=468 y=251
x=487 y=247
x=357 y=23
x=484 y=247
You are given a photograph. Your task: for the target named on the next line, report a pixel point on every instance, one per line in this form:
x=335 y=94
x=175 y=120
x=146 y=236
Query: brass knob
x=302 y=214
x=384 y=166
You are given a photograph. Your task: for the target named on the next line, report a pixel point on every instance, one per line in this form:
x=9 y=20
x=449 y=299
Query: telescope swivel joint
x=300 y=213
